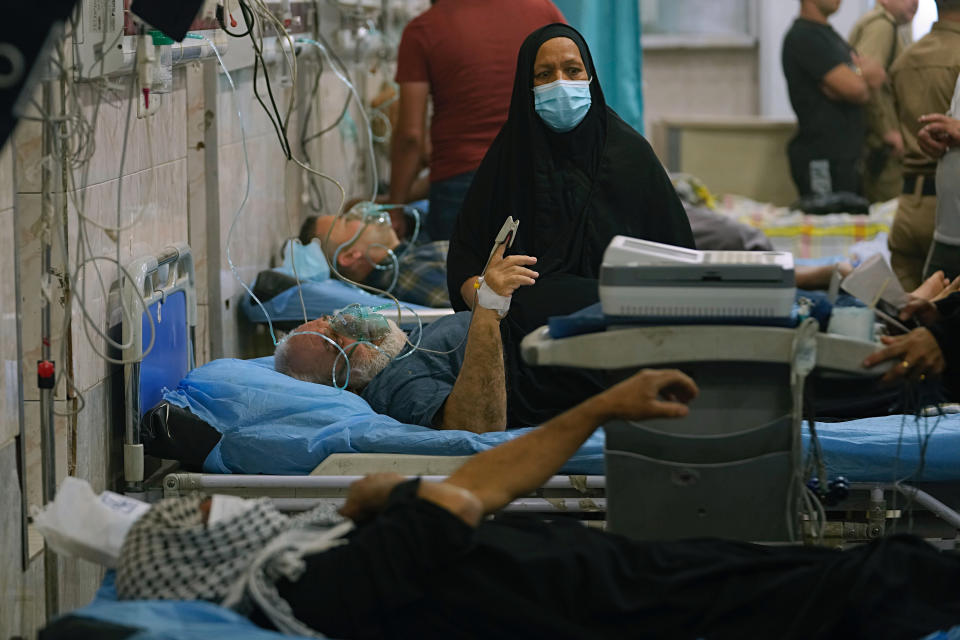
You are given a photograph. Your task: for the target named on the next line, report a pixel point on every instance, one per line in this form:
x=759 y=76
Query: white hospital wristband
x=490 y=299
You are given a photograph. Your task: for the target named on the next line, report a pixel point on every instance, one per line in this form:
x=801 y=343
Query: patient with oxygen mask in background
x=363 y=247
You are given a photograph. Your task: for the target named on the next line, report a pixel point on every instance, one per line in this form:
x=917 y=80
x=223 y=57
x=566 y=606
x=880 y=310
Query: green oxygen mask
x=361 y=323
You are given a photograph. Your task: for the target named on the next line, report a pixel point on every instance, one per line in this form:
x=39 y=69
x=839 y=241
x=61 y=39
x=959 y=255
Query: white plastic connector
x=147 y=103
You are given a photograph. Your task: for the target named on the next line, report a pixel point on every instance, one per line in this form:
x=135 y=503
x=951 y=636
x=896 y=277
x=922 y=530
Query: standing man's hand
x=873 y=72
x=894 y=140
x=939 y=134
x=924 y=311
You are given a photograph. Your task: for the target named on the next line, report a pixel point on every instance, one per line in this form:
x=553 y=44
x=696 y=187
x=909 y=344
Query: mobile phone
x=890 y=315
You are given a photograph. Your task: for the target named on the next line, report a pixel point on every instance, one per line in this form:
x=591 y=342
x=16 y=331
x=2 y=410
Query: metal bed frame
x=157 y=278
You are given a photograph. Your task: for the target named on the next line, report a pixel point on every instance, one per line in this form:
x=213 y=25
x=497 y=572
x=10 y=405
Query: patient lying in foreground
x=420 y=559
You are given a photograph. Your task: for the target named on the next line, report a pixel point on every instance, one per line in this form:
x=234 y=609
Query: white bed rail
x=560 y=494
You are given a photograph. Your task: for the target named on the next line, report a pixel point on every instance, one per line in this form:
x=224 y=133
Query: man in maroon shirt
x=463 y=54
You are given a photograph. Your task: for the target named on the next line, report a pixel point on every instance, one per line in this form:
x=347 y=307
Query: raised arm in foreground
x=491 y=479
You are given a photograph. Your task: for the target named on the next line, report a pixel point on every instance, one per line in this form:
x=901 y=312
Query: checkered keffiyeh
x=170 y=554
x=423 y=275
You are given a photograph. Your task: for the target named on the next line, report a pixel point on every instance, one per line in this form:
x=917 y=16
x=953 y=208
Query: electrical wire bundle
x=73 y=135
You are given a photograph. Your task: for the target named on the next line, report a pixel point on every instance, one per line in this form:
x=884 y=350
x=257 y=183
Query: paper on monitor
x=875 y=284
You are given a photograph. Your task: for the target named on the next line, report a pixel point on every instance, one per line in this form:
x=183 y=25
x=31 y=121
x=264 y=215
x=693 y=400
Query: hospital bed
x=861 y=449
x=299 y=442
x=816 y=238
x=325 y=458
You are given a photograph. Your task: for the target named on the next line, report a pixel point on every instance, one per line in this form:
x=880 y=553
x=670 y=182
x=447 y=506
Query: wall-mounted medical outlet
x=99 y=38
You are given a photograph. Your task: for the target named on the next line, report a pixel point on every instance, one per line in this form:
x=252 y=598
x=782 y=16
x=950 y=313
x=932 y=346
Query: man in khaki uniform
x=923 y=79
x=877 y=35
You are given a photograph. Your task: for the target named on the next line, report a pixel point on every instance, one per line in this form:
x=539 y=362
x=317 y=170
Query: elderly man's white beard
x=366 y=364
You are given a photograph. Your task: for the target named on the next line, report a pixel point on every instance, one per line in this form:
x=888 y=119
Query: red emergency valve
x=46 y=371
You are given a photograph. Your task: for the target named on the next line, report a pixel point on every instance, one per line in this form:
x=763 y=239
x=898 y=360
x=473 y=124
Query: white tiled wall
x=260 y=215
x=699 y=82
x=155 y=210
x=159 y=182
x=12 y=594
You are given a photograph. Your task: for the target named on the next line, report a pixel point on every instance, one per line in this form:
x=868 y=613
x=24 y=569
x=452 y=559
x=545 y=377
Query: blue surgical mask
x=309 y=260
x=562 y=104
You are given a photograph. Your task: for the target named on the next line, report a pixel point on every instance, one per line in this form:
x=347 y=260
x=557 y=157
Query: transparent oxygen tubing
x=399 y=306
x=246 y=196
x=290 y=57
x=75 y=145
x=246 y=191
x=233 y=225
x=363 y=112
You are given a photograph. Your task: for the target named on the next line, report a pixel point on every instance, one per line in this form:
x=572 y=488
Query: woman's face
x=558 y=59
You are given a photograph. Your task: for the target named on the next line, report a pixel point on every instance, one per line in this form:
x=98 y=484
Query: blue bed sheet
x=273 y=424
x=319 y=298
x=172 y=619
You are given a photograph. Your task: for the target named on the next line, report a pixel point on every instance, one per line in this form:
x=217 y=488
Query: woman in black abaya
x=575 y=175
x=571 y=191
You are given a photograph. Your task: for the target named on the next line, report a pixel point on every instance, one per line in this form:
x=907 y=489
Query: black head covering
x=572 y=192
x=526 y=133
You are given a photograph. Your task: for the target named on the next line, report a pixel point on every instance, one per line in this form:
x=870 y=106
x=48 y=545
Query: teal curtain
x=612 y=29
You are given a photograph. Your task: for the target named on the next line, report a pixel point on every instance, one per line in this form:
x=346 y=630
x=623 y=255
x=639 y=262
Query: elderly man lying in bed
x=421 y=559
x=457 y=377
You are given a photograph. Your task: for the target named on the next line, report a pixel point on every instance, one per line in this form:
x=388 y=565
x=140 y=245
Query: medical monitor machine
x=648 y=279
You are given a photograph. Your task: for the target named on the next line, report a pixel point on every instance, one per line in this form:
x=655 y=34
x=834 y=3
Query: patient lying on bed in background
x=421 y=268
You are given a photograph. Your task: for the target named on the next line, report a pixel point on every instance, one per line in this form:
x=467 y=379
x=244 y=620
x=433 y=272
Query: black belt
x=910 y=184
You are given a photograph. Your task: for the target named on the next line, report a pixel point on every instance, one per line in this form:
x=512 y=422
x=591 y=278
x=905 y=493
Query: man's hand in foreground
x=650 y=393
x=368 y=495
